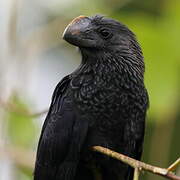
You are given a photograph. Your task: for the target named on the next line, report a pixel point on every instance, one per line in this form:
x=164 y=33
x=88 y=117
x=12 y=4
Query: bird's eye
x=105 y=33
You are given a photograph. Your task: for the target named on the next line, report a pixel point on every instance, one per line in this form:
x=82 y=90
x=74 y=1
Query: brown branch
x=27 y=159
x=13 y=108
x=137 y=164
x=136 y=174
x=37 y=114
x=173 y=166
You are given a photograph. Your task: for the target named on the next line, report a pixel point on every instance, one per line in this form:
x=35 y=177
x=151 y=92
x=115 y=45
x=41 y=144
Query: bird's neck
x=108 y=67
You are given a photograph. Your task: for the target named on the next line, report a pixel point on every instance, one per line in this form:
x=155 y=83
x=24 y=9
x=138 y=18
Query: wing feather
x=61 y=139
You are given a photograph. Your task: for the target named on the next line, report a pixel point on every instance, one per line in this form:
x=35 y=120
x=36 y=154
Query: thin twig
x=136 y=164
x=136 y=174
x=173 y=166
x=38 y=113
x=13 y=108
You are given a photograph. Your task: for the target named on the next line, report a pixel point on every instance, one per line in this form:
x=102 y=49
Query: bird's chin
x=89 y=53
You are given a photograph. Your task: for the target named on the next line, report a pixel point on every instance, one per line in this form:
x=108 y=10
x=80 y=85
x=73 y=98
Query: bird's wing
x=62 y=136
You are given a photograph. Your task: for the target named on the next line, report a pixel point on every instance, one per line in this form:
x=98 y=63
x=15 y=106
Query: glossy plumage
x=103 y=102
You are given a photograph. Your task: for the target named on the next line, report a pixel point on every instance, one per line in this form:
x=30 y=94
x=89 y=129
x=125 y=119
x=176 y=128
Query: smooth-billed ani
x=103 y=102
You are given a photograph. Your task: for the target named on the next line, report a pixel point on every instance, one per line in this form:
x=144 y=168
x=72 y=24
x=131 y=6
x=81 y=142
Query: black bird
x=103 y=102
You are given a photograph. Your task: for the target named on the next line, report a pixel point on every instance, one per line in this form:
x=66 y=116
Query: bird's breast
x=99 y=96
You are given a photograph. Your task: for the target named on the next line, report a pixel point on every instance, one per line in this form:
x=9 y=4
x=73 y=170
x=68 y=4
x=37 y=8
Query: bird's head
x=98 y=34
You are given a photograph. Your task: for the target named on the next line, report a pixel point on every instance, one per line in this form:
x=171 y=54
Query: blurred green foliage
x=21 y=128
